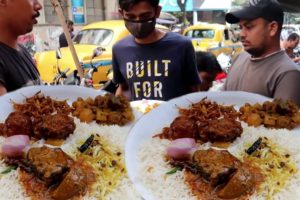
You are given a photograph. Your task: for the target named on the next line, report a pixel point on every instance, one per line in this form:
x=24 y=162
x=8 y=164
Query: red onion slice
x=15 y=145
x=181 y=148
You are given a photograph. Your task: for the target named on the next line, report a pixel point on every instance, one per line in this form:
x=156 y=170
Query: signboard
x=212 y=4
x=78 y=11
x=172 y=6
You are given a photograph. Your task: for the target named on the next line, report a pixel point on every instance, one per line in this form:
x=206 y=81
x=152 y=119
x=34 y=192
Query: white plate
x=162 y=116
x=144 y=105
x=71 y=93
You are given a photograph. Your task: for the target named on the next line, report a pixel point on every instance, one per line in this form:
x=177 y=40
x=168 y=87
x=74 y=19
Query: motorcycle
x=90 y=68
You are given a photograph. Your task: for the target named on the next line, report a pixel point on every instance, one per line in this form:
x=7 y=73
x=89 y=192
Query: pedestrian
x=263 y=68
x=208 y=68
x=290 y=44
x=150 y=63
x=17 y=68
x=62 y=37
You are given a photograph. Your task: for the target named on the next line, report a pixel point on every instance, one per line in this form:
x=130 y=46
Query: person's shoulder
x=171 y=36
x=286 y=63
x=243 y=55
x=61 y=35
x=128 y=40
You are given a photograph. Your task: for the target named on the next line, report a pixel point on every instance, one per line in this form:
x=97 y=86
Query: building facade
x=80 y=11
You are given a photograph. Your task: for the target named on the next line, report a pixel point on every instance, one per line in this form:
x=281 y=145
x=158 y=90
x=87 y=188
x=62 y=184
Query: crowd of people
x=153 y=64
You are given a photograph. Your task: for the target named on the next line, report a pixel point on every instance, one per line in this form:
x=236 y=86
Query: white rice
x=172 y=187
x=10 y=188
x=153 y=170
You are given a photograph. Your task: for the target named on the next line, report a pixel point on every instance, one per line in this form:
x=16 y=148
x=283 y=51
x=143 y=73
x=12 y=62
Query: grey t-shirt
x=161 y=70
x=274 y=76
x=17 y=68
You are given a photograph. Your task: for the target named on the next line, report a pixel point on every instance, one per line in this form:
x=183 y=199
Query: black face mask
x=140 y=29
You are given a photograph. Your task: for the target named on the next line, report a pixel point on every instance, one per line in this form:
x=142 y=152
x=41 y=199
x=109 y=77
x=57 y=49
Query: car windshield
x=201 y=33
x=101 y=37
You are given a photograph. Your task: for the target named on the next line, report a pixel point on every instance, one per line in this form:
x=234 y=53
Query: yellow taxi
x=102 y=34
x=215 y=38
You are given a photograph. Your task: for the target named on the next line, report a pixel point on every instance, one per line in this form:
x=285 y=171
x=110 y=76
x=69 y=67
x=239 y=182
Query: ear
x=273 y=26
x=119 y=10
x=157 y=11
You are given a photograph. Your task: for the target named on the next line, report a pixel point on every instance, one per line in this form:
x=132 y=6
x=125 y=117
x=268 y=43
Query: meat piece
x=49 y=164
x=216 y=166
x=183 y=127
x=58 y=126
x=220 y=130
x=110 y=101
x=18 y=123
x=74 y=183
x=241 y=183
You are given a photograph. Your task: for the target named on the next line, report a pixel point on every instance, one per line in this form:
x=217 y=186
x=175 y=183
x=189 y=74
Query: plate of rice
x=155 y=178
x=105 y=155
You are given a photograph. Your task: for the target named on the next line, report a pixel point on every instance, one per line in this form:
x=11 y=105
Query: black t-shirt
x=161 y=70
x=63 y=41
x=17 y=68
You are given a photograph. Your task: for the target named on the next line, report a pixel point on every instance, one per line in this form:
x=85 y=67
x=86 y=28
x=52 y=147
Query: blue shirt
x=161 y=70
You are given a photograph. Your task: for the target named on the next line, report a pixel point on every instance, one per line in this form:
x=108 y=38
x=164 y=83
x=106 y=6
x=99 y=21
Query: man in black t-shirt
x=150 y=63
x=62 y=38
x=17 y=68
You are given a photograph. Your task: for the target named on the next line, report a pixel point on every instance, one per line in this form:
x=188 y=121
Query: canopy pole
x=62 y=20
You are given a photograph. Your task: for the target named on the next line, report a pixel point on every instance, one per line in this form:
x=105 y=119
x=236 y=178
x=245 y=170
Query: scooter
x=87 y=81
x=61 y=76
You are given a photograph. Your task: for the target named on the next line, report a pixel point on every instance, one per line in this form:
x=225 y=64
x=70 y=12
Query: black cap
x=267 y=9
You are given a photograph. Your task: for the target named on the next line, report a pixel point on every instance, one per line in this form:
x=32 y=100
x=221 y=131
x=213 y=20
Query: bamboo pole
x=62 y=20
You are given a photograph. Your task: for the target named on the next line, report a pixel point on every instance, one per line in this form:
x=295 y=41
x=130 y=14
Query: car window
x=201 y=33
x=101 y=37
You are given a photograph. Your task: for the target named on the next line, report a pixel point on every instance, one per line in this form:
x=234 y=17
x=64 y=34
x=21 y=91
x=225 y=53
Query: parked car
x=215 y=38
x=100 y=34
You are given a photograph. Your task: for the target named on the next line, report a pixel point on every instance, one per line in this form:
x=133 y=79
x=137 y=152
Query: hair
x=293 y=37
x=207 y=62
x=69 y=22
x=128 y=4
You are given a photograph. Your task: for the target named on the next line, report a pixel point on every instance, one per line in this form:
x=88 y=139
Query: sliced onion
x=15 y=146
x=181 y=148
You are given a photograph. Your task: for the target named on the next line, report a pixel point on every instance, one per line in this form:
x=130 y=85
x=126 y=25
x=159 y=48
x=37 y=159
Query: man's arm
x=2 y=89
x=123 y=89
x=297 y=59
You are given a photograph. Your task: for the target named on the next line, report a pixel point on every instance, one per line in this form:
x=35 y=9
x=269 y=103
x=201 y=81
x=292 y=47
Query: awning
x=212 y=4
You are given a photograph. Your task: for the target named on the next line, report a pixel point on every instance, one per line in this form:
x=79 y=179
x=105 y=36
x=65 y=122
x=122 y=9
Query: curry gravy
x=37 y=189
x=202 y=189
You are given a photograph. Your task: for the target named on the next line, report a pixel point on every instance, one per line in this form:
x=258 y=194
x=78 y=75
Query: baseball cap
x=270 y=10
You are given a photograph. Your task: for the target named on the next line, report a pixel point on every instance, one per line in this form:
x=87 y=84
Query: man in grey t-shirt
x=263 y=68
